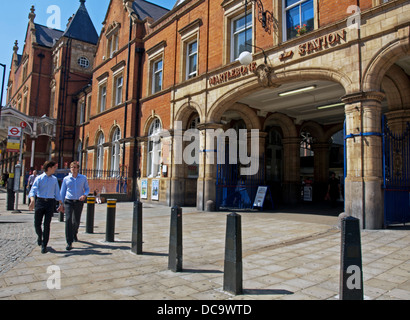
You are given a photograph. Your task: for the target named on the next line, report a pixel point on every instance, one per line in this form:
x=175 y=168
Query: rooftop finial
x=82 y=2
x=16 y=47
x=32 y=15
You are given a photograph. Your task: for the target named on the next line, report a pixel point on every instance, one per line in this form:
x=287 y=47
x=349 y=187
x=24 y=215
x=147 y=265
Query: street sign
x=14 y=132
x=23 y=124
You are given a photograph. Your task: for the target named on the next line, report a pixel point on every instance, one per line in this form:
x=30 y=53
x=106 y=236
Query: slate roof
x=146 y=9
x=81 y=27
x=47 y=37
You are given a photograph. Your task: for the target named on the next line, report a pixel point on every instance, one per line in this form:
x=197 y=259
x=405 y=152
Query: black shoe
x=75 y=238
x=39 y=241
x=69 y=247
x=43 y=249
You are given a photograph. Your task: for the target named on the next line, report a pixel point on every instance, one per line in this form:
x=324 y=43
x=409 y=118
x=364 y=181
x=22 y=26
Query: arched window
x=154 y=149
x=115 y=152
x=100 y=155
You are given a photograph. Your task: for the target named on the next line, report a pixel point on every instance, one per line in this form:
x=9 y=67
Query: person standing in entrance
x=74 y=191
x=333 y=189
x=43 y=194
x=31 y=180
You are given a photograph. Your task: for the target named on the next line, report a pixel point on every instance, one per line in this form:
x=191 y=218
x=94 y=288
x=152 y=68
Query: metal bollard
x=351 y=272
x=233 y=255
x=136 y=241
x=110 y=226
x=11 y=197
x=175 y=240
x=89 y=224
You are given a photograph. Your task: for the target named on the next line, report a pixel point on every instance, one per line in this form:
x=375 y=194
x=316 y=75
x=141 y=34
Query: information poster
x=144 y=189
x=260 y=196
x=155 y=189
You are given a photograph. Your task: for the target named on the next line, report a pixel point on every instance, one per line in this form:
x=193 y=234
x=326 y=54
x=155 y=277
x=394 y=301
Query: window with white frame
x=102 y=97
x=298 y=18
x=82 y=112
x=157 y=76
x=191 y=59
x=241 y=35
x=99 y=165
x=115 y=152
x=112 y=45
x=154 y=149
x=118 y=85
x=79 y=155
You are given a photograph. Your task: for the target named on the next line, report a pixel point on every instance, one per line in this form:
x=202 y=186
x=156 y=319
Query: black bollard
x=110 y=226
x=175 y=240
x=89 y=224
x=136 y=241
x=233 y=255
x=11 y=196
x=351 y=273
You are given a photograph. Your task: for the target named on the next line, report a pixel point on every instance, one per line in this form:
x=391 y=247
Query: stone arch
x=383 y=60
x=247 y=114
x=185 y=112
x=396 y=85
x=228 y=101
x=281 y=77
x=112 y=130
x=331 y=131
x=314 y=129
x=284 y=122
x=97 y=135
x=148 y=122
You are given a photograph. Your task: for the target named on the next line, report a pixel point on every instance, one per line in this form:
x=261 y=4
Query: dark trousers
x=44 y=209
x=73 y=210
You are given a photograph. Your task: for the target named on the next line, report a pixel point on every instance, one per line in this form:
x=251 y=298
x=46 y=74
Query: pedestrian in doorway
x=43 y=195
x=333 y=189
x=5 y=177
x=31 y=180
x=74 y=191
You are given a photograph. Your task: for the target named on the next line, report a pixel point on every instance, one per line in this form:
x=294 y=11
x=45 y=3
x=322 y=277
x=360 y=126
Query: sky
x=14 y=21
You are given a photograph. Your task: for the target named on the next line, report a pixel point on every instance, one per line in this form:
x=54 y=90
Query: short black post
x=136 y=241
x=89 y=224
x=11 y=197
x=233 y=255
x=175 y=240
x=351 y=273
x=110 y=226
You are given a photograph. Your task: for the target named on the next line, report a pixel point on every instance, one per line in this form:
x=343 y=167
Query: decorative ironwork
x=265 y=17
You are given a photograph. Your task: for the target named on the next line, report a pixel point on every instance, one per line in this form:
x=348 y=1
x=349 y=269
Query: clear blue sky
x=14 y=20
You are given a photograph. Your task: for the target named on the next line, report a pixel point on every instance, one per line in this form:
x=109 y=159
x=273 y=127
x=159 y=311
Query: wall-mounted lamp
x=265 y=17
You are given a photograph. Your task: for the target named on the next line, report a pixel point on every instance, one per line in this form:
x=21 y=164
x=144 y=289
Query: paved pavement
x=286 y=256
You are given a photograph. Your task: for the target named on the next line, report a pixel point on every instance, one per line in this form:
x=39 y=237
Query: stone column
x=364 y=177
x=291 y=170
x=177 y=172
x=206 y=187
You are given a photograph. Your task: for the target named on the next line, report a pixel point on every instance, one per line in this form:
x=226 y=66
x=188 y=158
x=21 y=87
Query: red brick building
x=324 y=88
x=315 y=65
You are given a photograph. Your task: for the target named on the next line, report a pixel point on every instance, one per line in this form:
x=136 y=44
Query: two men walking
x=74 y=191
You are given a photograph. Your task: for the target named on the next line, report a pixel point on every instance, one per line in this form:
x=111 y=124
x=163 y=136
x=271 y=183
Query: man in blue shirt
x=74 y=191
x=47 y=191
